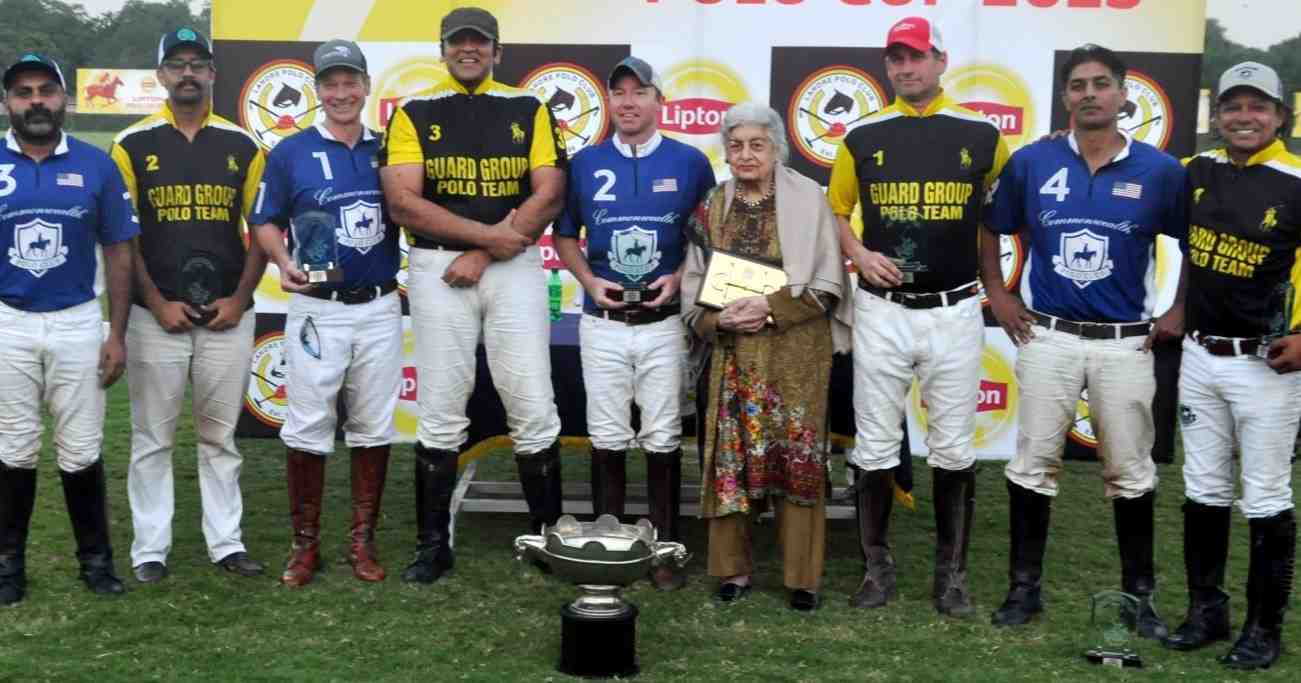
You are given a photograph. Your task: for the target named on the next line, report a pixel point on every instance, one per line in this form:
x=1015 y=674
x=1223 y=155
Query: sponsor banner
x=119 y=91
x=996 y=402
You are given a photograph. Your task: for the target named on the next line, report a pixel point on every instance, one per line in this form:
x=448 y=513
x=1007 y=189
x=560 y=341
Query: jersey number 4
x=1056 y=186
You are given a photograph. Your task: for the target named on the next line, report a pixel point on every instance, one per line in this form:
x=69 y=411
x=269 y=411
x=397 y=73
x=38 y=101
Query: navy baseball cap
x=34 y=61
x=183 y=37
x=342 y=53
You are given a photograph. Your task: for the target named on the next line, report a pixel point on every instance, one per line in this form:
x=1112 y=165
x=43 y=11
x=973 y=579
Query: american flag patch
x=665 y=185
x=1131 y=190
x=69 y=180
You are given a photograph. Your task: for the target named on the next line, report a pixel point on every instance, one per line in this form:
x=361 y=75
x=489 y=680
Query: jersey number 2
x=603 y=194
x=1057 y=186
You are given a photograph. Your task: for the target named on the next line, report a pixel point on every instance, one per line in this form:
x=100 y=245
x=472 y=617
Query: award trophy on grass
x=599 y=629
x=316 y=246
x=1112 y=617
x=200 y=282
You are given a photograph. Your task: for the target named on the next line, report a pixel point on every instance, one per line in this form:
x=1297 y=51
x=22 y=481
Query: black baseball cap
x=34 y=61
x=639 y=68
x=183 y=37
x=478 y=20
x=339 y=53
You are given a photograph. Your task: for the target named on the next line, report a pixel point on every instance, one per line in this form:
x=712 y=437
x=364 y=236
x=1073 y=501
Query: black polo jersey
x=477 y=149
x=192 y=197
x=921 y=178
x=1243 y=240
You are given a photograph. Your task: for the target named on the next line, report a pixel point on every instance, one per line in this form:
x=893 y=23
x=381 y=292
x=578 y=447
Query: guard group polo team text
x=475 y=170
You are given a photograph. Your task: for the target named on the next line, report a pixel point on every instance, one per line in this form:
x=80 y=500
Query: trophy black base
x=1121 y=659
x=598 y=646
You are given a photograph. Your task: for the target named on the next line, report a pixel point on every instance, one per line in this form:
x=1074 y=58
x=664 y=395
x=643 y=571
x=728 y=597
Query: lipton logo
x=694 y=115
x=1009 y=119
x=992 y=396
x=410 y=387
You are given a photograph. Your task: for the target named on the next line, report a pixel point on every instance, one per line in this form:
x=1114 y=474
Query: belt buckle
x=1262 y=351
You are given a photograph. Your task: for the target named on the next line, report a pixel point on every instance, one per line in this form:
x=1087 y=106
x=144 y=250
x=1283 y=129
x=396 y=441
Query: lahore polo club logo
x=1146 y=114
x=1083 y=257
x=576 y=101
x=827 y=106
x=1011 y=259
x=634 y=252
x=278 y=100
x=267 y=393
x=1082 y=428
x=38 y=247
x=404 y=265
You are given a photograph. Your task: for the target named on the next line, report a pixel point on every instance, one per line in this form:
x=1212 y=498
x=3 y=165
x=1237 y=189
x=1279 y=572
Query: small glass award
x=200 y=282
x=1282 y=302
x=316 y=246
x=1113 y=615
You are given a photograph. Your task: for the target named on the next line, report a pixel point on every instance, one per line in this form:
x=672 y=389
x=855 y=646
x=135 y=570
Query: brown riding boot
x=305 y=473
x=609 y=482
x=873 y=499
x=955 y=499
x=664 y=489
x=369 y=469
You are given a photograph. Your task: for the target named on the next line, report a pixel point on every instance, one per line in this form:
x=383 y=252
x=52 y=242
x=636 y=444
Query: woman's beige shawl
x=810 y=248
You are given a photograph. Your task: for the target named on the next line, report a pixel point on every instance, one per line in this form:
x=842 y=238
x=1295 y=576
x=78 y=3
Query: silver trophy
x=316 y=246
x=599 y=628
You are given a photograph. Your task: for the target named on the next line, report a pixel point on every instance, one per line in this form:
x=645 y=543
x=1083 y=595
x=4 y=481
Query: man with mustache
x=193 y=176
x=475 y=171
x=59 y=198
x=1092 y=203
x=343 y=337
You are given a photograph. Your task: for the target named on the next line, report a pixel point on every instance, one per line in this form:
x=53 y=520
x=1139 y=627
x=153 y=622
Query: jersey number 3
x=1056 y=186
x=7 y=182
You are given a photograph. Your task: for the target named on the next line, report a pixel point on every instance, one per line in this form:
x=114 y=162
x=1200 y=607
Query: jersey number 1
x=325 y=165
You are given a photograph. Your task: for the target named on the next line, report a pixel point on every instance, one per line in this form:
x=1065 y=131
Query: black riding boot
x=83 y=492
x=539 y=475
x=1269 y=586
x=17 y=496
x=609 y=481
x=664 y=489
x=1206 y=550
x=873 y=500
x=1028 y=516
x=1134 y=534
x=955 y=502
x=435 y=480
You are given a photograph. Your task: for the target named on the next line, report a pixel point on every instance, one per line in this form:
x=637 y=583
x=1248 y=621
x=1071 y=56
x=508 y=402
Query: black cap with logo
x=478 y=20
x=34 y=61
x=183 y=37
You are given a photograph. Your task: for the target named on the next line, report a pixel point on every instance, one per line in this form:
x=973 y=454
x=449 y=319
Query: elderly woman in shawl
x=764 y=436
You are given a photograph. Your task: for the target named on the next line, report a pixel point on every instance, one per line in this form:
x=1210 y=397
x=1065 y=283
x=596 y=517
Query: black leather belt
x=1229 y=346
x=353 y=295
x=922 y=299
x=1093 y=330
x=638 y=316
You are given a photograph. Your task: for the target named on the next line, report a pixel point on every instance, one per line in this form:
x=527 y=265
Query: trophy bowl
x=599 y=629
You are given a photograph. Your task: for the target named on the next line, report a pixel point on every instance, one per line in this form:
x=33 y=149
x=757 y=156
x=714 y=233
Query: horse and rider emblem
x=1083 y=258
x=361 y=225
x=38 y=247
x=634 y=252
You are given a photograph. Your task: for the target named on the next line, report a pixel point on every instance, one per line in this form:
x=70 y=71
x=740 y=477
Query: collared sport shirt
x=312 y=171
x=52 y=213
x=921 y=177
x=192 y=197
x=477 y=148
x=1092 y=235
x=1243 y=243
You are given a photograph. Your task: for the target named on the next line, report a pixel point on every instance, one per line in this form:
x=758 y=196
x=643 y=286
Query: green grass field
x=495 y=619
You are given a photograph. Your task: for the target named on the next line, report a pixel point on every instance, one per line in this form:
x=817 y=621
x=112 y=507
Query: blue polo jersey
x=1092 y=237
x=52 y=214
x=312 y=171
x=634 y=203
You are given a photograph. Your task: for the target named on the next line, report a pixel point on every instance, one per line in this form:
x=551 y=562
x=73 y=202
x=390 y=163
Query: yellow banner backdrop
x=118 y=91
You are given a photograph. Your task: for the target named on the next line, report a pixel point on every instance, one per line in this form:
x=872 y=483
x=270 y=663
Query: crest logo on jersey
x=1197 y=195
x=1083 y=258
x=576 y=100
x=361 y=225
x=1270 y=221
x=1146 y=115
x=634 y=252
x=516 y=133
x=38 y=247
x=278 y=100
x=964 y=158
x=829 y=104
x=267 y=393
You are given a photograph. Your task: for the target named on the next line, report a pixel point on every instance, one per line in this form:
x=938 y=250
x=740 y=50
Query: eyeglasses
x=178 y=66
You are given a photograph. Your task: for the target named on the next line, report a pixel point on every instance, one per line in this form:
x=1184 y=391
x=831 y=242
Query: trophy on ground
x=599 y=629
x=316 y=246
x=1113 y=616
x=200 y=283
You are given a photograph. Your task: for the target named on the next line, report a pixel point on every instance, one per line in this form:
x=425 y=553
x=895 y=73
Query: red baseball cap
x=917 y=33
